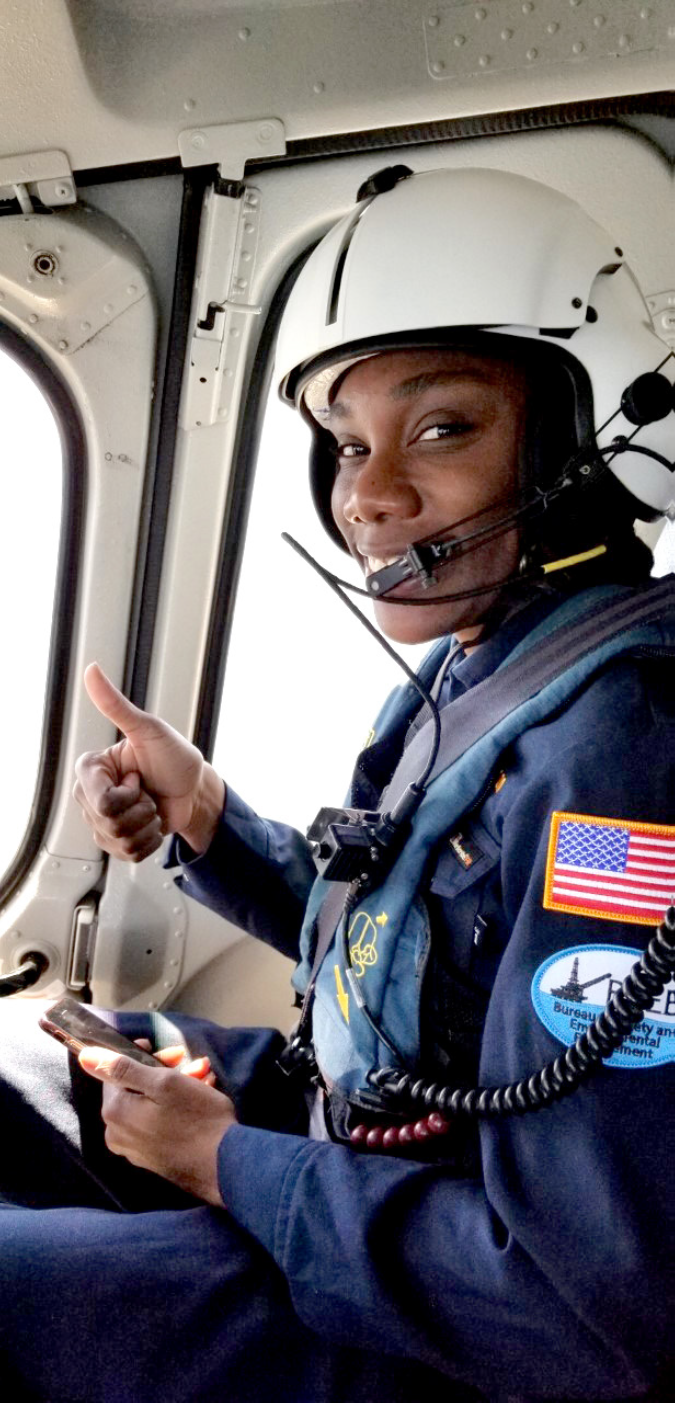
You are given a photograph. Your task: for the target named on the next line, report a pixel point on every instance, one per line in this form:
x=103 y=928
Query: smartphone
x=75 y=1025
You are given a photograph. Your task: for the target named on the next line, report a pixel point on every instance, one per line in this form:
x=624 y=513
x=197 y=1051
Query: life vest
x=389 y=934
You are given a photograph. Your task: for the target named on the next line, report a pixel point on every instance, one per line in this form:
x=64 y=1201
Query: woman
x=461 y=454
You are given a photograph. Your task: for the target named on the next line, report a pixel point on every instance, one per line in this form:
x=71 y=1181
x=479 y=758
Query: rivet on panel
x=252 y=200
x=132 y=289
x=198 y=140
x=459 y=40
x=527 y=8
x=107 y=308
x=15 y=934
x=531 y=55
x=28 y=247
x=32 y=318
x=319 y=87
x=599 y=21
x=574 y=4
x=86 y=867
x=578 y=48
x=249 y=228
x=480 y=13
x=189 y=104
x=645 y=12
x=152 y=1004
x=55 y=865
x=265 y=132
x=235 y=332
x=433 y=21
x=177 y=911
x=108 y=457
x=174 y=964
x=30 y=278
x=624 y=41
x=484 y=61
x=553 y=27
x=63 y=345
x=168 y=886
x=506 y=34
x=244 y=34
x=227 y=373
x=438 y=66
x=246 y=257
x=178 y=934
x=61 y=282
x=85 y=326
x=223 y=413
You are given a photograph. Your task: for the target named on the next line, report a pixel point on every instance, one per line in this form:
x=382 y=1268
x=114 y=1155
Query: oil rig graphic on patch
x=573 y=990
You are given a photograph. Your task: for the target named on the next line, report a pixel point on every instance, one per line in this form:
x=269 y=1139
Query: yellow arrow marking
x=342 y=995
x=382 y=919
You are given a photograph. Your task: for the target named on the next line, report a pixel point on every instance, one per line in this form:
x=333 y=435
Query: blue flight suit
x=543 y=1271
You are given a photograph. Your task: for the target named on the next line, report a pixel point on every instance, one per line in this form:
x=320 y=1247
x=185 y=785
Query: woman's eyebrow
x=416 y=385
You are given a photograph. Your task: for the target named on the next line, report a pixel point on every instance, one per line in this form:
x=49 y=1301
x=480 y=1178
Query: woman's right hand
x=152 y=782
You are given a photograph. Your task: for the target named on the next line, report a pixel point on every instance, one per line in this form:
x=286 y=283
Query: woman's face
x=423 y=439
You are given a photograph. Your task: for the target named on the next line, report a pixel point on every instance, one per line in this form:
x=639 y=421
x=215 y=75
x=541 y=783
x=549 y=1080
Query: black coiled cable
x=624 y=1011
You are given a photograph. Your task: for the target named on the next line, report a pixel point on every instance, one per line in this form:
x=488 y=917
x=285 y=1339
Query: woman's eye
x=454 y=429
x=348 y=450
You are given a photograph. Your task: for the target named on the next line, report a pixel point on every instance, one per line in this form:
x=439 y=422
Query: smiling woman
x=32 y=502
x=424 y=439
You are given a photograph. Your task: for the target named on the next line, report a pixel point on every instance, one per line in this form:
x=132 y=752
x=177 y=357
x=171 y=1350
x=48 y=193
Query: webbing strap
x=472 y=716
x=326 y=925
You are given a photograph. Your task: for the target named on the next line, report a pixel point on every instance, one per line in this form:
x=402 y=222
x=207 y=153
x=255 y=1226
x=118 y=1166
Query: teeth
x=375 y=562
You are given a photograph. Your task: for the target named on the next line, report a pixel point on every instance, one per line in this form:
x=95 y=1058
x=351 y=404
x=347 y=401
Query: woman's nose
x=381 y=488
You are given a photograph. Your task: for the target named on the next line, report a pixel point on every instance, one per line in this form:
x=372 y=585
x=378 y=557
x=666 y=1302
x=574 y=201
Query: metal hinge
x=229 y=236
x=35 y=181
x=83 y=939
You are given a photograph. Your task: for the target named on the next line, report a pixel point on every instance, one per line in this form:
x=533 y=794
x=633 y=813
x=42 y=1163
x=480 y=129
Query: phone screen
x=76 y=1026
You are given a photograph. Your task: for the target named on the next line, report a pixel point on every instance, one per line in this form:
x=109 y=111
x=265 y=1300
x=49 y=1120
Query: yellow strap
x=574 y=559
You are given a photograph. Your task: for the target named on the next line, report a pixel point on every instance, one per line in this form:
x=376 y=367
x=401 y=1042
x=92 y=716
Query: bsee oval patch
x=572 y=987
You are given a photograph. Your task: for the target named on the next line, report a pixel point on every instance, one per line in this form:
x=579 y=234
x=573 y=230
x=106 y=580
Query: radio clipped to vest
x=359 y=845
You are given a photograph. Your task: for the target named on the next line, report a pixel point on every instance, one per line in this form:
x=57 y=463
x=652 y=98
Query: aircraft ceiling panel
x=115 y=81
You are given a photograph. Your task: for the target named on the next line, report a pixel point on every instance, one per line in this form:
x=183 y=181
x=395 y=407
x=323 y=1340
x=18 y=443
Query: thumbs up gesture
x=150 y=783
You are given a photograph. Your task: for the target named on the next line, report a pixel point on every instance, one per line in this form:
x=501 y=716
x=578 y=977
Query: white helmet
x=441 y=254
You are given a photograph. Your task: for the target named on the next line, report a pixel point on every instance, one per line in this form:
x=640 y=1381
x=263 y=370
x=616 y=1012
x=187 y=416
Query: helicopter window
x=303 y=680
x=32 y=502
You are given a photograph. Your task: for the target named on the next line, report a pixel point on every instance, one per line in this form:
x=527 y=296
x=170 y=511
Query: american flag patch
x=612 y=868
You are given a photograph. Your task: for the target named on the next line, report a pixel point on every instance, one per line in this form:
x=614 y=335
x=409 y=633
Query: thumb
x=112 y=703
x=115 y=1067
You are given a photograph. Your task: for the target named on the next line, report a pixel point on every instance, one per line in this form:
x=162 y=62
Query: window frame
x=74 y=488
